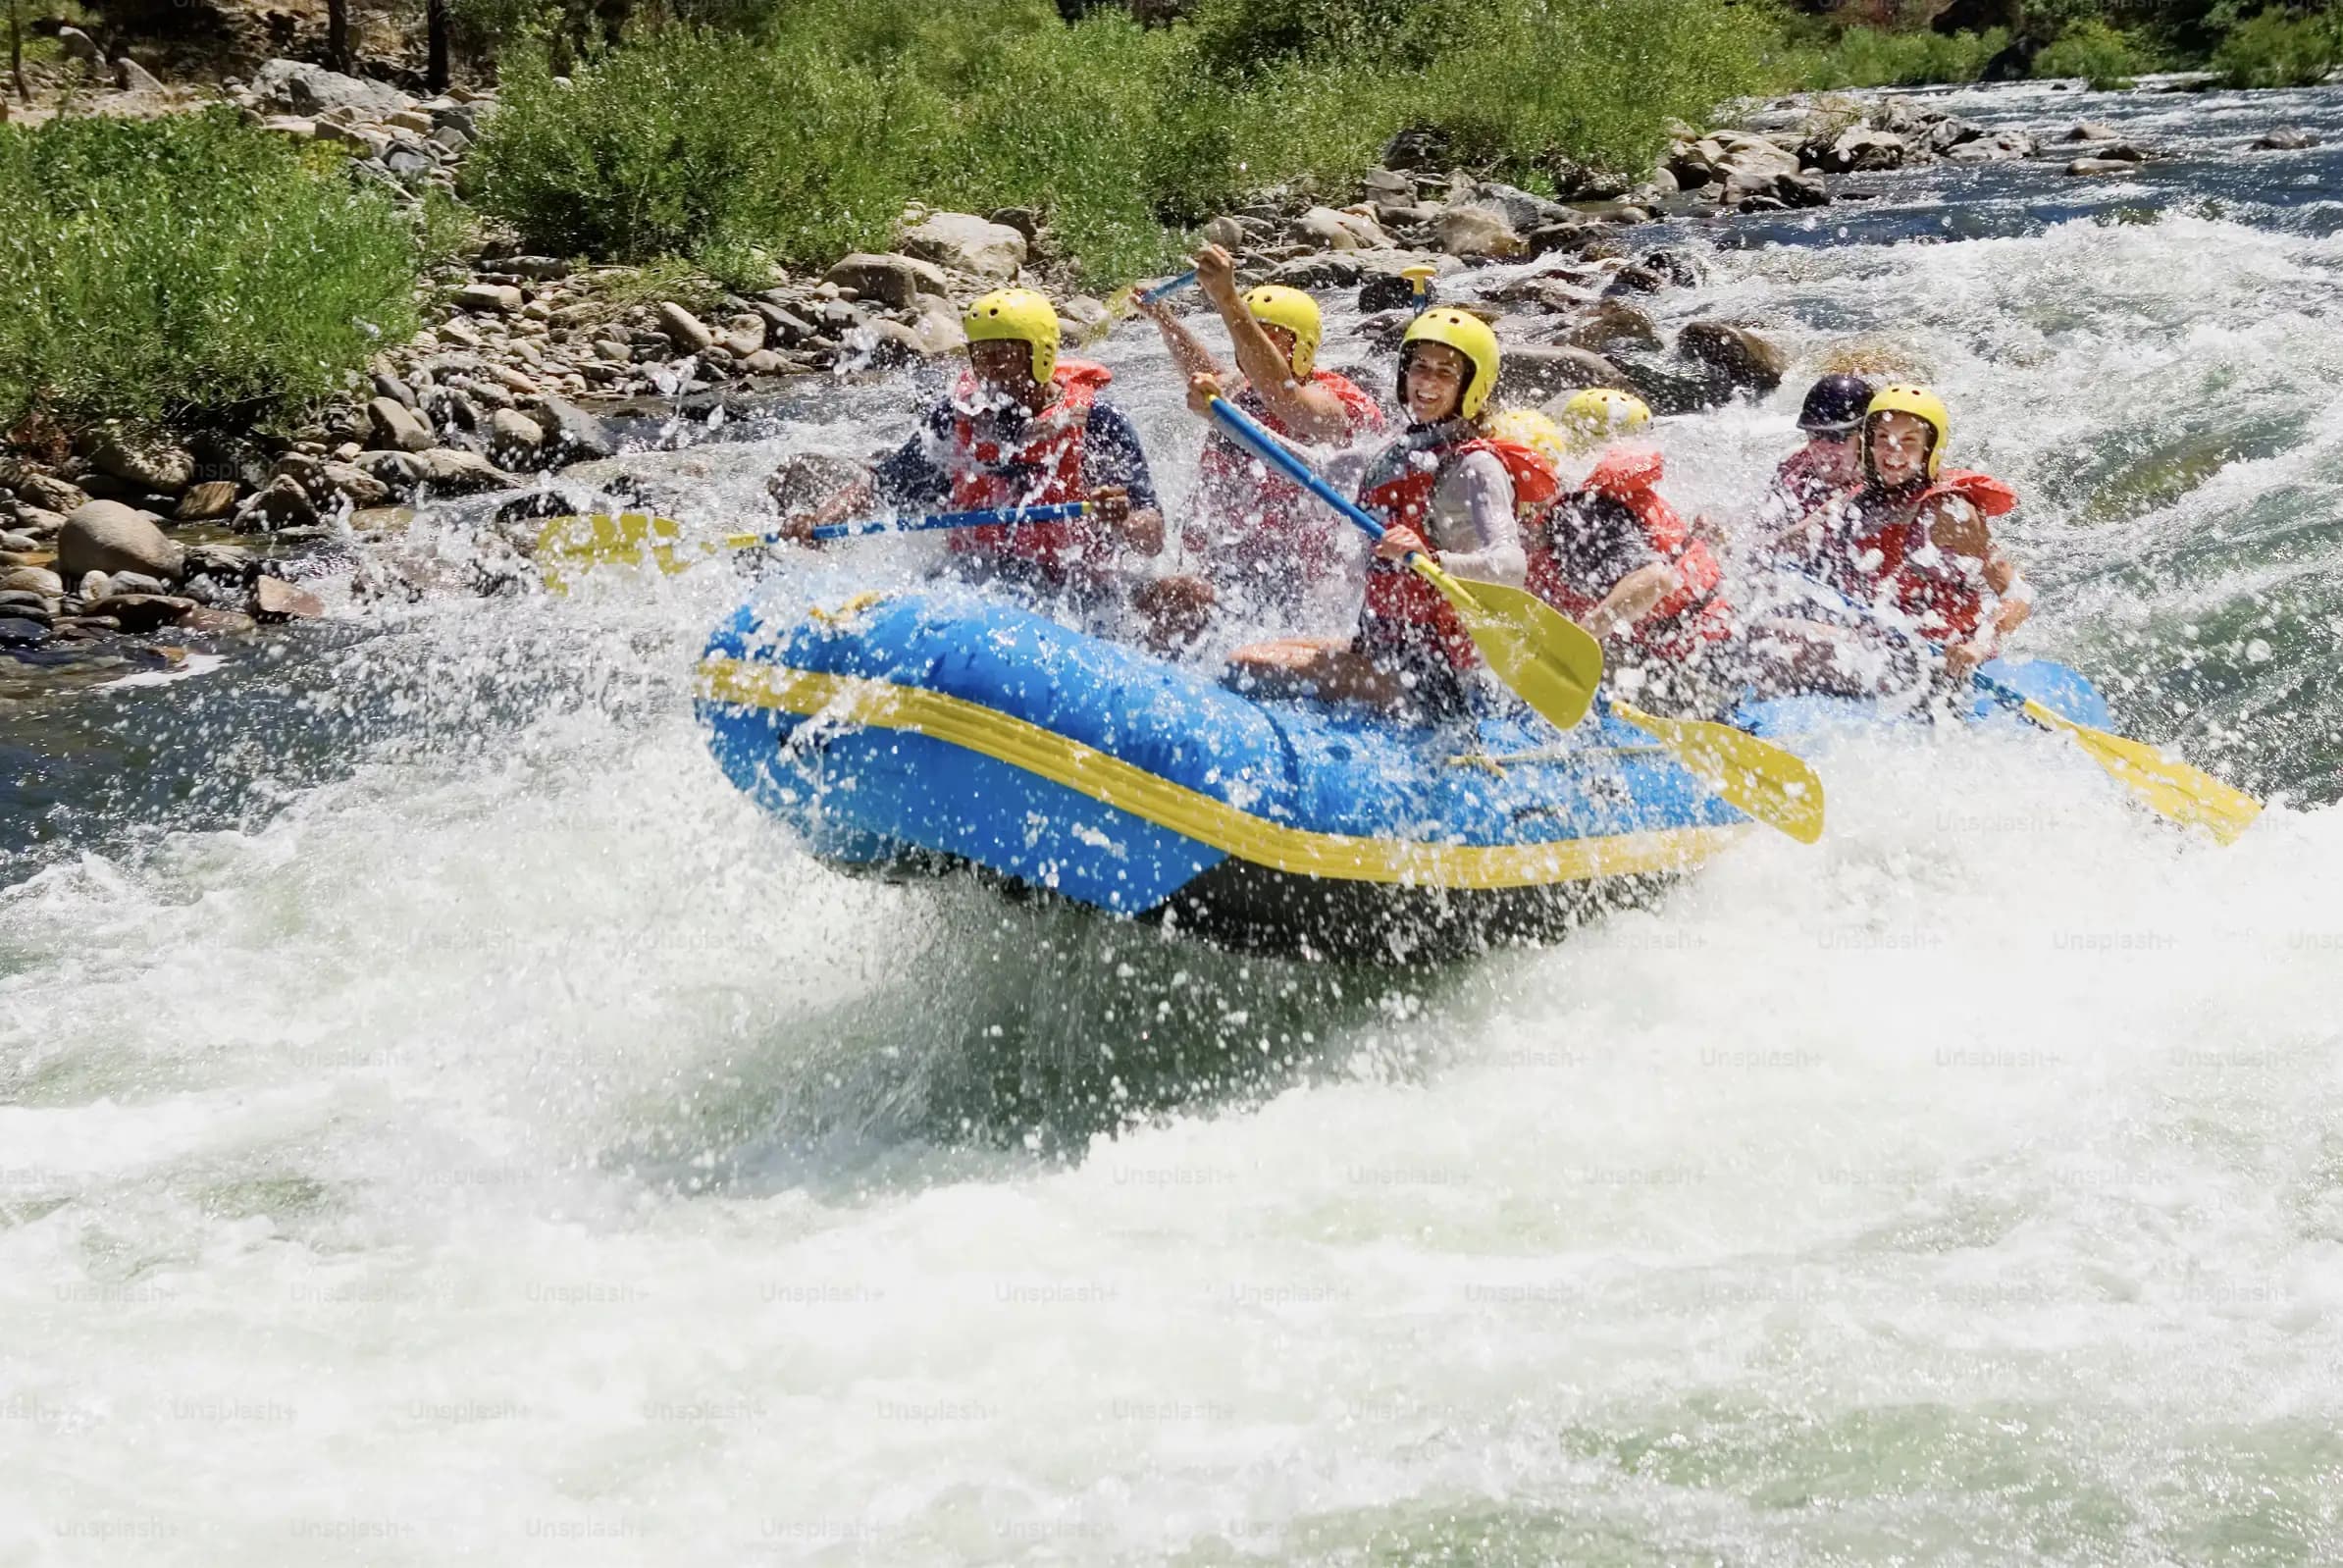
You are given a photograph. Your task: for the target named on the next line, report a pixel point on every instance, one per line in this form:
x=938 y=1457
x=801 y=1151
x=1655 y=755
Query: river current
x=442 y=1121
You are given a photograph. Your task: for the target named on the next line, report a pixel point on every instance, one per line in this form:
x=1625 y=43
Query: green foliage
x=186 y=265
x=806 y=139
x=2091 y=49
x=2280 y=49
x=1868 y=57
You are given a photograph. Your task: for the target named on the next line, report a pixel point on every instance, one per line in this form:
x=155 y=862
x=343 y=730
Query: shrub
x=1867 y=57
x=187 y=265
x=2096 y=52
x=807 y=139
x=2277 y=50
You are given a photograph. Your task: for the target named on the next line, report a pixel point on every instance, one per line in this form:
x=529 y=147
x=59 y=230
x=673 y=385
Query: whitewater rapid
x=452 y=1126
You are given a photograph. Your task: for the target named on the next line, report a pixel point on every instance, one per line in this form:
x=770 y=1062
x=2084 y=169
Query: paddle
x=1550 y=662
x=603 y=540
x=2175 y=790
x=2182 y=793
x=1121 y=301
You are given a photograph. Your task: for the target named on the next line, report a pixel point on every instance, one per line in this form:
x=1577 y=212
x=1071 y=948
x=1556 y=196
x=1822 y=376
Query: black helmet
x=1835 y=405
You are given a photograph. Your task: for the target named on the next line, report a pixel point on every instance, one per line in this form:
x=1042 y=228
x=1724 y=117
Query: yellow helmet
x=1529 y=428
x=1923 y=406
x=1599 y=413
x=1015 y=315
x=1470 y=337
x=1274 y=305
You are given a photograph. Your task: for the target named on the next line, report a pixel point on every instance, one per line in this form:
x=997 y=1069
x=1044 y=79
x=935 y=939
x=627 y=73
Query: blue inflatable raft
x=934 y=731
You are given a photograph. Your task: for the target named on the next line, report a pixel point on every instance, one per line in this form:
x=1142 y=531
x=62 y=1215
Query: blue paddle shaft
x=1166 y=290
x=1262 y=444
x=1058 y=512
x=2008 y=697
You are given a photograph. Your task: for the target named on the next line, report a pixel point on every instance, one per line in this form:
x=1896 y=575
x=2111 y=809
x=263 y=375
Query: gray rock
x=398 y=471
x=132 y=583
x=397 y=426
x=22 y=631
x=1339 y=231
x=348 y=480
x=1860 y=149
x=152 y=465
x=2285 y=138
x=743 y=334
x=454 y=472
x=2103 y=166
x=1746 y=359
x=1609 y=323
x=452 y=139
x=514 y=436
x=1531 y=373
x=967 y=244
x=79 y=45
x=131 y=77
x=2090 y=131
x=203 y=503
x=32 y=580
x=212 y=622
x=37 y=521
x=306 y=89
x=47 y=492
x=276 y=599
x=500 y=300
x=105 y=536
x=544 y=269
x=572 y=434
x=897 y=280
x=1224 y=230
x=686 y=331
x=1521 y=209
x=408 y=165
x=2002 y=146
x=144 y=611
x=1473 y=233
x=783 y=325
x=280 y=503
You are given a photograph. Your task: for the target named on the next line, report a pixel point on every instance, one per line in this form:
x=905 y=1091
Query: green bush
x=2278 y=49
x=1868 y=57
x=188 y=266
x=2091 y=49
x=806 y=137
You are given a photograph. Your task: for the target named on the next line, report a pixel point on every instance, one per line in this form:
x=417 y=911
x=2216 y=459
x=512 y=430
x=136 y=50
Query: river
x=442 y=1121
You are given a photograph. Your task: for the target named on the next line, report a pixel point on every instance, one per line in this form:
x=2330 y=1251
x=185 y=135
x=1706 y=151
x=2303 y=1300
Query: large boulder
x=572 y=434
x=967 y=244
x=397 y=427
x=1331 y=230
x=2285 y=138
x=1478 y=233
x=897 y=280
x=2002 y=146
x=45 y=491
x=306 y=89
x=1743 y=358
x=1532 y=374
x=105 y=536
x=155 y=466
x=1521 y=209
x=1859 y=149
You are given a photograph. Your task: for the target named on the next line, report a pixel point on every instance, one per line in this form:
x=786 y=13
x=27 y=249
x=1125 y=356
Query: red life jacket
x=1691 y=613
x=1410 y=609
x=1890 y=555
x=1279 y=520
x=1045 y=469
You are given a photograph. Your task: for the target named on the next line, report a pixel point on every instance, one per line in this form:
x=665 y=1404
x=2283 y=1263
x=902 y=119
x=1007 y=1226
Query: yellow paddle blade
x=2180 y=792
x=1547 y=657
x=1770 y=784
x=582 y=542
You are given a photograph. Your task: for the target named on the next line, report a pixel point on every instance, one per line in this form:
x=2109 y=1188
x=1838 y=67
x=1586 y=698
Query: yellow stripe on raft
x=1112 y=781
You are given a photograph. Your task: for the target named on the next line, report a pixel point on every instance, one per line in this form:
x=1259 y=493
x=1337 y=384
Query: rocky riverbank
x=115 y=543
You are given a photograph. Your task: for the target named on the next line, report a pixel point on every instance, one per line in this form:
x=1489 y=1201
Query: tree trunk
x=338 y=35
x=435 y=26
x=16 y=53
